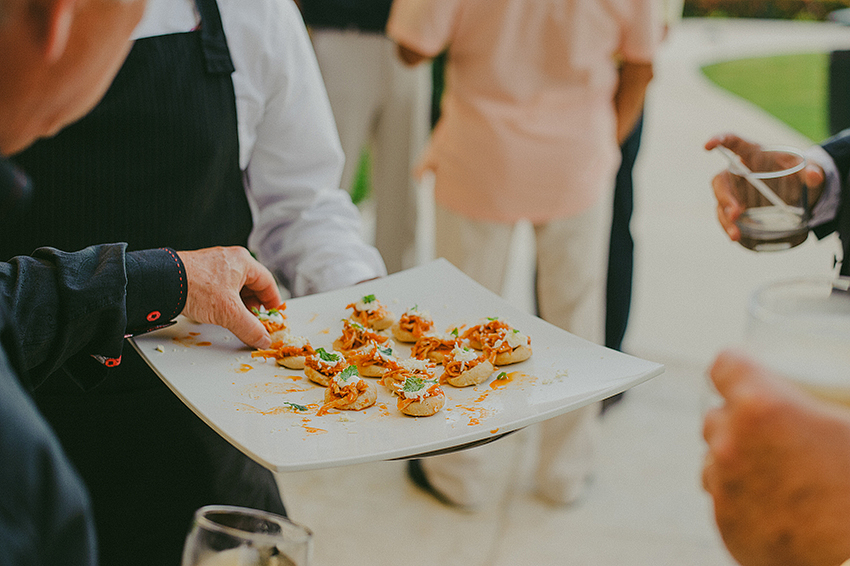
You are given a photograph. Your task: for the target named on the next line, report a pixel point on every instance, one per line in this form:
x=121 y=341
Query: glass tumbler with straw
x=775 y=196
x=236 y=536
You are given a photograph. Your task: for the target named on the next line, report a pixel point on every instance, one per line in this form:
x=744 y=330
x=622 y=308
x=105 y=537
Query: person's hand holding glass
x=778 y=455
x=747 y=211
x=236 y=536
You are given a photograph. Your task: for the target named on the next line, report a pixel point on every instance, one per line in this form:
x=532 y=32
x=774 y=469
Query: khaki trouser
x=571 y=266
x=379 y=102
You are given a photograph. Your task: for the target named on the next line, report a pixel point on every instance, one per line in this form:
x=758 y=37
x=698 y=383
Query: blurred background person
x=379 y=105
x=621 y=247
x=529 y=130
x=216 y=131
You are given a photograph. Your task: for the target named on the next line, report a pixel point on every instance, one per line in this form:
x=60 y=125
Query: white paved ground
x=645 y=506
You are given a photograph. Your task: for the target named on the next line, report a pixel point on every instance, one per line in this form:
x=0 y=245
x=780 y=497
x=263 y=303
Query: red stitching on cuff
x=180 y=277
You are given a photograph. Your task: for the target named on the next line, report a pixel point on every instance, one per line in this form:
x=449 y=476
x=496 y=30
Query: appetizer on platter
x=411 y=367
x=369 y=312
x=273 y=319
x=420 y=397
x=510 y=345
x=289 y=351
x=412 y=325
x=355 y=335
x=373 y=359
x=322 y=366
x=465 y=367
x=348 y=392
x=435 y=346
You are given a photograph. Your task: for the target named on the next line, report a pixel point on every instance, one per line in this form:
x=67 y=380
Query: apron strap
x=213 y=40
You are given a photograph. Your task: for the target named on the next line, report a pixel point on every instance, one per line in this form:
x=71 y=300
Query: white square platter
x=251 y=402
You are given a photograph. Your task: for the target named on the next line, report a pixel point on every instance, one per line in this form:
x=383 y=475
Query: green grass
x=361 y=186
x=794 y=88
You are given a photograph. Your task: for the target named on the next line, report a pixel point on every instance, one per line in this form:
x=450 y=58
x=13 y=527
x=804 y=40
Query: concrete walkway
x=645 y=506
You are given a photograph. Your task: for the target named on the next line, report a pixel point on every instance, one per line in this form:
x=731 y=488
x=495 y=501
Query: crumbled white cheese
x=293 y=340
x=337 y=357
x=419 y=393
x=275 y=316
x=345 y=378
x=414 y=311
x=463 y=354
x=371 y=306
x=516 y=339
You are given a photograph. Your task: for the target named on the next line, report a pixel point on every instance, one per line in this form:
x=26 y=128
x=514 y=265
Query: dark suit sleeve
x=838 y=147
x=75 y=308
x=45 y=515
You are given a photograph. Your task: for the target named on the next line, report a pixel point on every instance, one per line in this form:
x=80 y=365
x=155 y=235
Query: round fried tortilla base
x=403 y=335
x=365 y=399
x=292 y=362
x=372 y=370
x=426 y=407
x=437 y=357
x=474 y=376
x=518 y=354
x=392 y=383
x=380 y=324
x=317 y=377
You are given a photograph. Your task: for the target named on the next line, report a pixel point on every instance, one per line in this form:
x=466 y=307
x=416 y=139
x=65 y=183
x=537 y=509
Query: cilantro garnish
x=348 y=372
x=255 y=310
x=413 y=384
x=454 y=332
x=368 y=298
x=326 y=356
x=502 y=376
x=492 y=318
x=295 y=406
x=386 y=351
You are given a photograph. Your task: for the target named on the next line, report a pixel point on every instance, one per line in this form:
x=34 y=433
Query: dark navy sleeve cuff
x=156 y=288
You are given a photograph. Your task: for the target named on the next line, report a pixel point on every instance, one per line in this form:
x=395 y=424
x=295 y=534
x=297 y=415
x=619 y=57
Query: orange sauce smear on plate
x=509 y=378
x=283 y=409
x=310 y=429
x=189 y=340
x=257 y=390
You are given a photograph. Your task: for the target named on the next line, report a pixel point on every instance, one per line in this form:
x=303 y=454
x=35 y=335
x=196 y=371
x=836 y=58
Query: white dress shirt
x=306 y=230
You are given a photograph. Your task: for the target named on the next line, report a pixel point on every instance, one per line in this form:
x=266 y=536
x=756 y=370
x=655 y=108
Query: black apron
x=156 y=163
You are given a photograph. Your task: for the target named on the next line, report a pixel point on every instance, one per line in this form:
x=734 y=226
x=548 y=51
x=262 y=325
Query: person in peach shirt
x=539 y=95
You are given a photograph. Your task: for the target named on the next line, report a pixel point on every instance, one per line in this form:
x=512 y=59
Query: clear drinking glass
x=800 y=329
x=764 y=225
x=223 y=535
